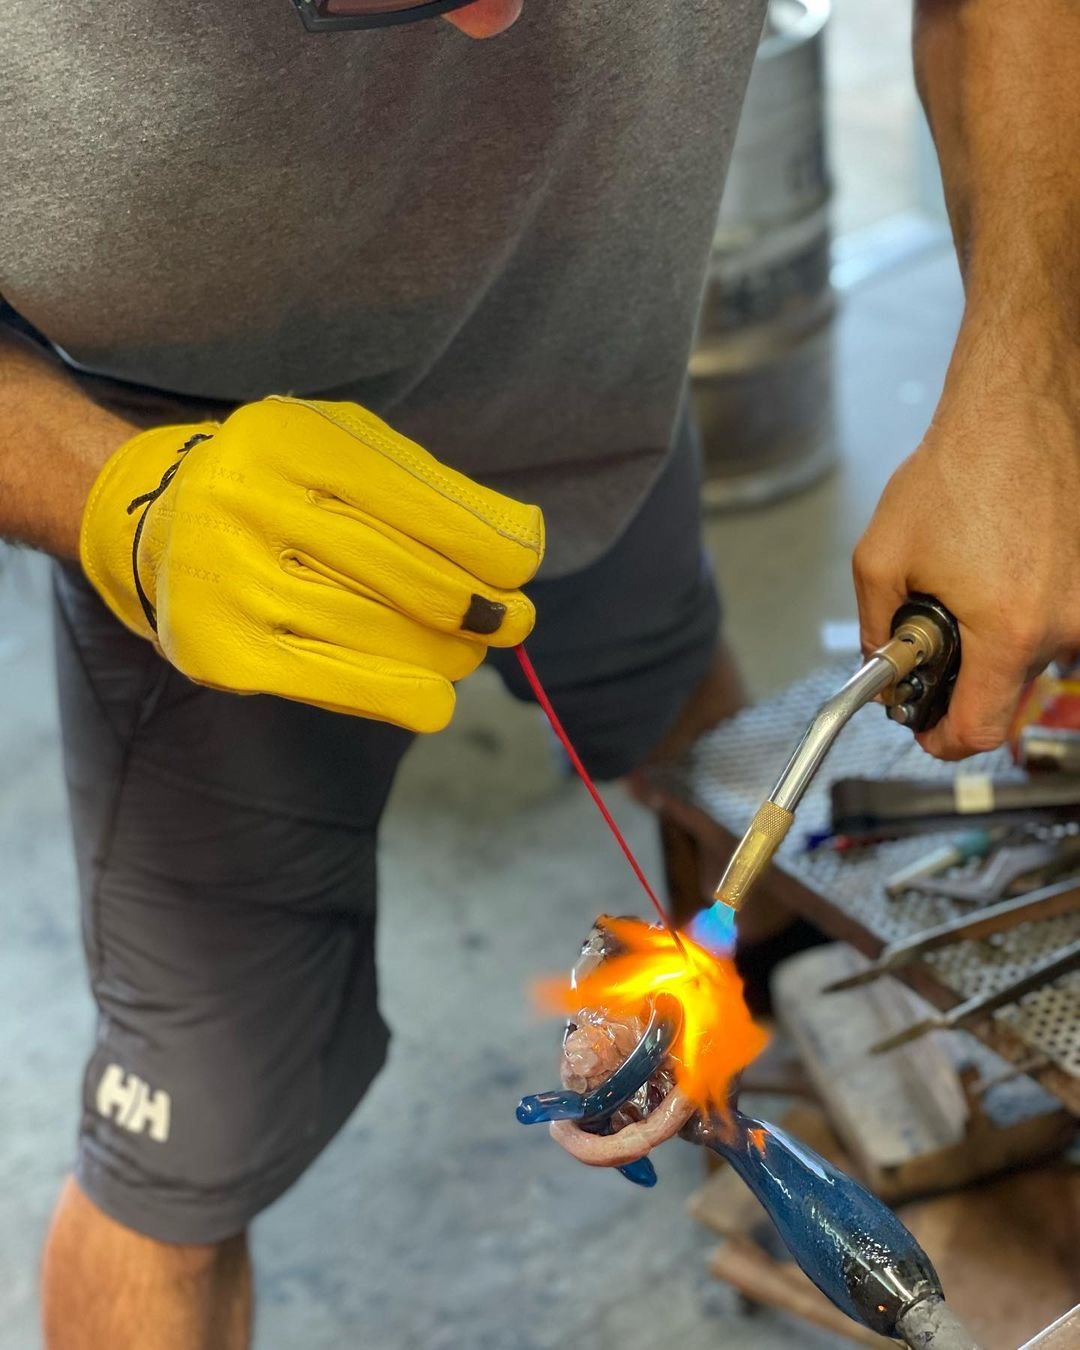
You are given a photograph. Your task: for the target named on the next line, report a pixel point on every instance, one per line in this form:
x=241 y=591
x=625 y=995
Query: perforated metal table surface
x=713 y=792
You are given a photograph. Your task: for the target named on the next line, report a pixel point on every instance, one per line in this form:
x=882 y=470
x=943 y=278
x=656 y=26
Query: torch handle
x=921 y=699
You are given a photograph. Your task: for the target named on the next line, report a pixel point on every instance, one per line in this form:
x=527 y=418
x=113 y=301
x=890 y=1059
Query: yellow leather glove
x=307 y=550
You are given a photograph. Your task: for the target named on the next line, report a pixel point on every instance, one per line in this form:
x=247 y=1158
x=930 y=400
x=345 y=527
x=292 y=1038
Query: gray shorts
x=226 y=857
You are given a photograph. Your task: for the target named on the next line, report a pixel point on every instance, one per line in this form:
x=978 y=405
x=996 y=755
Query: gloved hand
x=307 y=550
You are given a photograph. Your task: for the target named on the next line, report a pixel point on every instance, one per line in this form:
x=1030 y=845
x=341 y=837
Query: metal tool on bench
x=846 y=1240
x=963 y=1014
x=1054 y=749
x=1049 y=903
x=1015 y=868
x=974 y=844
x=895 y=806
x=913 y=673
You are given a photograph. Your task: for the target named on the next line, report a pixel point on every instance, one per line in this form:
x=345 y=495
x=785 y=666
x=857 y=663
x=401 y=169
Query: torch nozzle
x=913 y=672
x=773 y=818
x=755 y=852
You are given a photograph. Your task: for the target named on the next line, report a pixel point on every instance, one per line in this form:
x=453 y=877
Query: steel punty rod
x=931 y=1325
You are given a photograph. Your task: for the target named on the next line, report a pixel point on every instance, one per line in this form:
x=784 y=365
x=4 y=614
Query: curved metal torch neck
x=870 y=680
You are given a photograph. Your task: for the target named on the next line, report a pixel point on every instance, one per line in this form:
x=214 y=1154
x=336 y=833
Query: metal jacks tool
x=913 y=674
x=1050 y=903
x=1049 y=748
x=895 y=806
x=1067 y=960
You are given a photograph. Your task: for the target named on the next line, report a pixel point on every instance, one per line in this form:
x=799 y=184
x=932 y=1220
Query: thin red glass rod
x=552 y=716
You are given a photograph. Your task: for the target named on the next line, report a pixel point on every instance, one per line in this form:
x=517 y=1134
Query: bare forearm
x=53 y=442
x=983 y=513
x=1001 y=85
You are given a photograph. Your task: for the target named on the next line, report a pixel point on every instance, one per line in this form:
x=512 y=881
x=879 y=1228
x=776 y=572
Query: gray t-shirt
x=498 y=246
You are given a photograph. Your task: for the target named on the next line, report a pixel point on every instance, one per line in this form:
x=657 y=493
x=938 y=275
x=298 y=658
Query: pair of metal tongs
x=1052 y=902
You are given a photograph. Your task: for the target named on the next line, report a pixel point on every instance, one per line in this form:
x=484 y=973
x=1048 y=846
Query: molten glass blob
x=718 y=1037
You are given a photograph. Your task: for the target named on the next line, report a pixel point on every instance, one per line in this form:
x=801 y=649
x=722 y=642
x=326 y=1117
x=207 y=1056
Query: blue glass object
x=641 y=1173
x=849 y=1243
x=616 y=1090
x=846 y=1240
x=541 y=1107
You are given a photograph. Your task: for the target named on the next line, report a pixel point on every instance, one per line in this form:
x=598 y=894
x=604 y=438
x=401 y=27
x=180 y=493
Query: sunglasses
x=335 y=16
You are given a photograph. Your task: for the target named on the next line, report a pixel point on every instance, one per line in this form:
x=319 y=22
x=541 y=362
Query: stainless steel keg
x=762 y=368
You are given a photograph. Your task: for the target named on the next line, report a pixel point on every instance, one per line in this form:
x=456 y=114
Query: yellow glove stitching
x=405 y=458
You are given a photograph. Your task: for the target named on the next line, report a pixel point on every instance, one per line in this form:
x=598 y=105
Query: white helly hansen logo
x=134 y=1105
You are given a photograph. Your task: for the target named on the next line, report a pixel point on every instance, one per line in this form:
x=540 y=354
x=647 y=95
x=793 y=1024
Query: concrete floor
x=435 y=1222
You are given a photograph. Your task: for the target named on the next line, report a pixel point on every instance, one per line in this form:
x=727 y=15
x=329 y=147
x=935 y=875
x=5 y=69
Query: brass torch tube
x=911 y=645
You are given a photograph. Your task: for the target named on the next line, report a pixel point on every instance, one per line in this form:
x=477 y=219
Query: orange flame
x=718 y=1037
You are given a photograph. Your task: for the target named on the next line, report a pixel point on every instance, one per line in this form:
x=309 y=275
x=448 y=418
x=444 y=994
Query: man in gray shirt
x=398 y=312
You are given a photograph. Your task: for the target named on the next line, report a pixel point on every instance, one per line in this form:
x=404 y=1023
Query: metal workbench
x=713 y=792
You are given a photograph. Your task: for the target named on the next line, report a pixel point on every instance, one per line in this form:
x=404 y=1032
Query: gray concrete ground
x=435 y=1222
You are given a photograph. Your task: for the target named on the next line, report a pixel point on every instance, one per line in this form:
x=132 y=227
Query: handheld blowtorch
x=845 y=1239
x=913 y=674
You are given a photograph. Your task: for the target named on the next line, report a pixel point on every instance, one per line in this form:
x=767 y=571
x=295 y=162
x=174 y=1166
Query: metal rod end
x=931 y=1325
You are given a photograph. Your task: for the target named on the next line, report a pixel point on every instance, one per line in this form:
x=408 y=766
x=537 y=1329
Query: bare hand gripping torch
x=913 y=674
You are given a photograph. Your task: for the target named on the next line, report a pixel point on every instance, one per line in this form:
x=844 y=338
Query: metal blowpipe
x=914 y=673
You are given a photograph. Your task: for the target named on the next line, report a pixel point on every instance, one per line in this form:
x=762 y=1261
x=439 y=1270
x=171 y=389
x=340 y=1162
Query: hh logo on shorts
x=125 y=1098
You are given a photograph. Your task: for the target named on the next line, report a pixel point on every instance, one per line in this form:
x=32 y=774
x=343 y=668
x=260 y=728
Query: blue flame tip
x=714 y=929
